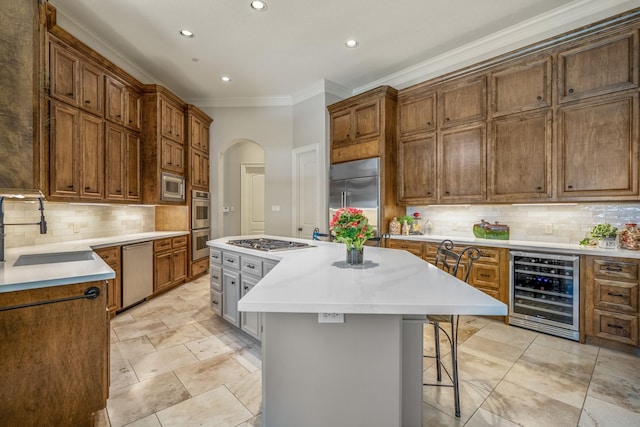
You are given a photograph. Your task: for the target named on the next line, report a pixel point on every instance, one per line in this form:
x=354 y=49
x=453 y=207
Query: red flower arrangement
x=350 y=226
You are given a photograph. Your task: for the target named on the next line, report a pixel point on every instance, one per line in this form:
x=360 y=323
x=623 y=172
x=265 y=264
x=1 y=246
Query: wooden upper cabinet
x=341 y=127
x=134 y=109
x=519 y=157
x=92 y=155
x=521 y=87
x=91 y=88
x=133 y=174
x=172 y=156
x=462 y=164
x=172 y=120
x=116 y=141
x=115 y=101
x=416 y=114
x=598 y=149
x=63 y=74
x=462 y=102
x=417 y=169
x=598 y=67
x=356 y=123
x=64 y=171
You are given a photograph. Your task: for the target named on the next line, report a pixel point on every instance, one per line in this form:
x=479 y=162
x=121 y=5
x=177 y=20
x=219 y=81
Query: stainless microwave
x=172 y=188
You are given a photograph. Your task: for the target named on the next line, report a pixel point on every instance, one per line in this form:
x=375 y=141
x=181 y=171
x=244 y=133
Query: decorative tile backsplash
x=555 y=223
x=69 y=221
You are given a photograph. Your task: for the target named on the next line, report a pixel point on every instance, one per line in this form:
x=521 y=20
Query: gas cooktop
x=269 y=245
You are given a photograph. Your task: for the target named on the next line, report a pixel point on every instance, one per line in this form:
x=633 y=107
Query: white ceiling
x=297 y=43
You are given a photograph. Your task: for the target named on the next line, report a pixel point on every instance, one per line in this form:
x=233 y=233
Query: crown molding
x=321 y=87
x=554 y=22
x=270 y=101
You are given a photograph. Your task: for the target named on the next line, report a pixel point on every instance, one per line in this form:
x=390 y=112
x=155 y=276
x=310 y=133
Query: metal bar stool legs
x=453 y=376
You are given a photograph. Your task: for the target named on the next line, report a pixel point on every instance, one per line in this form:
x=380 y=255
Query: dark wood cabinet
x=172 y=120
x=64 y=173
x=521 y=87
x=598 y=66
x=91 y=88
x=133 y=174
x=115 y=101
x=111 y=257
x=416 y=114
x=598 y=149
x=91 y=153
x=170 y=262
x=462 y=101
x=198 y=148
x=417 y=169
x=519 y=157
x=134 y=109
x=462 y=165
x=116 y=141
x=172 y=156
x=356 y=122
x=63 y=74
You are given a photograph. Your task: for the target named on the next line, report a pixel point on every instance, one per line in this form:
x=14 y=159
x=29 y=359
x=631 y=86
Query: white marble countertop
x=524 y=245
x=16 y=278
x=317 y=280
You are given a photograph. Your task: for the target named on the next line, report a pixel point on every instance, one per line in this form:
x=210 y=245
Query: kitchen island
x=341 y=344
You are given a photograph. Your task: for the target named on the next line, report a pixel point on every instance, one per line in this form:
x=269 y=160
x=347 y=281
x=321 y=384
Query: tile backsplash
x=555 y=223
x=69 y=221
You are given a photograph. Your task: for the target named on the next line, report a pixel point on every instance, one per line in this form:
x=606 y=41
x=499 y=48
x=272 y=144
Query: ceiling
x=294 y=43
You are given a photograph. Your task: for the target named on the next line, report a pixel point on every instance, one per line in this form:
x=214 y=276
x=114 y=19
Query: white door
x=252 y=208
x=308 y=192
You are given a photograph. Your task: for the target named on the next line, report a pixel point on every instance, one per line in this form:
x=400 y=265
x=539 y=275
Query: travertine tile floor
x=176 y=364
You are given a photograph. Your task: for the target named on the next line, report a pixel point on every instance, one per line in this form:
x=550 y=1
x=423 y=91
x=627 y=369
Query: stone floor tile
x=597 y=413
x=434 y=417
x=149 y=421
x=566 y=345
x=150 y=365
x=249 y=391
x=622 y=392
x=253 y=422
x=484 y=418
x=211 y=373
x=471 y=397
x=514 y=336
x=618 y=364
x=128 y=349
x=122 y=375
x=580 y=366
x=139 y=328
x=214 y=345
x=494 y=351
x=177 y=335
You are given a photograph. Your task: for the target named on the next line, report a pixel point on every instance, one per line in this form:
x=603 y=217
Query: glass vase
x=355 y=256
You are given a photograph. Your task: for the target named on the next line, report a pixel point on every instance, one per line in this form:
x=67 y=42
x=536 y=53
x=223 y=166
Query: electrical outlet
x=453 y=225
x=76 y=227
x=548 y=229
x=330 y=317
x=275 y=208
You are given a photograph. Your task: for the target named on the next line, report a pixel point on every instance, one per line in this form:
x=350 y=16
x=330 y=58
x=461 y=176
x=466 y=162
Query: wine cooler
x=544 y=293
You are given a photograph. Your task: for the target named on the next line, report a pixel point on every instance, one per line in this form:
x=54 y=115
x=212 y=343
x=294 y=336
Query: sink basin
x=53 y=258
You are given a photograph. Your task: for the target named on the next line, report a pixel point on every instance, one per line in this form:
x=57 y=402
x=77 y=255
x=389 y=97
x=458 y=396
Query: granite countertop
x=16 y=278
x=524 y=245
x=317 y=280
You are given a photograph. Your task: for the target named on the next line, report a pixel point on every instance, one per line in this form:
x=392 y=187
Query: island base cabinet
x=356 y=375
x=54 y=356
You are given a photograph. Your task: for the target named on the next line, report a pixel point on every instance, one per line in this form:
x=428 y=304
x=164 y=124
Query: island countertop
x=318 y=280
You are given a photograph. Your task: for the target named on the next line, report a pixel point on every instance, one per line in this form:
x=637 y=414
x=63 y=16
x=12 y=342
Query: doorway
x=252 y=202
x=308 y=209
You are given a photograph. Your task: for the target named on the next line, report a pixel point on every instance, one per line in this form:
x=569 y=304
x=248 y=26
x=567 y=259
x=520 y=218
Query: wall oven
x=200 y=209
x=199 y=248
x=544 y=293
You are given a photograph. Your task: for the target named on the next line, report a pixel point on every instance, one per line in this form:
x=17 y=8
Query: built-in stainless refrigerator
x=356 y=184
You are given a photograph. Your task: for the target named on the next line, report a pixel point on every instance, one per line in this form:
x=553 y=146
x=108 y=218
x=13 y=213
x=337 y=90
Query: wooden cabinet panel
x=618 y=270
x=462 y=164
x=116 y=141
x=92 y=155
x=134 y=112
x=170 y=262
x=199 y=170
x=91 y=88
x=195 y=136
x=620 y=296
x=115 y=101
x=163 y=267
x=521 y=87
x=598 y=67
x=172 y=120
x=462 y=102
x=133 y=171
x=172 y=155
x=598 y=149
x=340 y=127
x=179 y=265
x=111 y=256
x=416 y=114
x=64 y=172
x=519 y=157
x=618 y=327
x=63 y=74
x=367 y=120
x=484 y=276
x=417 y=169
x=408 y=245
x=160 y=245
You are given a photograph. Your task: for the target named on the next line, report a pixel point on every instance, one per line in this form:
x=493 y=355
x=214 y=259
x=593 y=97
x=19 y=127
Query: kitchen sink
x=53 y=258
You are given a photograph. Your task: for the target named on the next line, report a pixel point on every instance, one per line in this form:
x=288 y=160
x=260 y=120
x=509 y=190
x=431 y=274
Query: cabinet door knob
x=70 y=187
x=87 y=101
x=70 y=94
x=570 y=90
x=538 y=188
x=569 y=186
x=87 y=188
x=539 y=98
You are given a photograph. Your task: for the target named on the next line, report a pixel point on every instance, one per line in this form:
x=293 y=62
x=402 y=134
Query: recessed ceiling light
x=186 y=33
x=225 y=79
x=351 y=43
x=258 y=5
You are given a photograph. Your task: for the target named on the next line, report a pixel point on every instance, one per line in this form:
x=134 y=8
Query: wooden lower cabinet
x=55 y=368
x=200 y=267
x=410 y=246
x=612 y=311
x=111 y=256
x=170 y=262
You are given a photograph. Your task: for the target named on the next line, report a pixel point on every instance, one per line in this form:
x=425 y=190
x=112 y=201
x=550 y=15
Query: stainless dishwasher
x=137 y=273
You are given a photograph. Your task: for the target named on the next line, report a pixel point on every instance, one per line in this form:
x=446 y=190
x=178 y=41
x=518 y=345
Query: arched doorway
x=242 y=164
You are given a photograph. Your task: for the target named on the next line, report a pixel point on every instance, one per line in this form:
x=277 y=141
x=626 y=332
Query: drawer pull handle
x=614 y=294
x=485 y=275
x=615 y=326
x=233 y=282
x=230 y=260
x=251 y=266
x=215 y=302
x=215 y=277
x=246 y=288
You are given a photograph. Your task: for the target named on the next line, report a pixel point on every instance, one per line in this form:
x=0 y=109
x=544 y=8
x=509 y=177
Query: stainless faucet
x=42 y=224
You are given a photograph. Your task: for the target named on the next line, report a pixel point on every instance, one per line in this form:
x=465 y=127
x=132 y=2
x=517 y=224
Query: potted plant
x=350 y=226
x=604 y=235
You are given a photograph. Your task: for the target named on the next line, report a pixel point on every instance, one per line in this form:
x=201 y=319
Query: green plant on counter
x=407 y=218
x=599 y=232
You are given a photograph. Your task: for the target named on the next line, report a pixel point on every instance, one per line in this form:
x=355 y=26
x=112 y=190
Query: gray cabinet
x=232 y=275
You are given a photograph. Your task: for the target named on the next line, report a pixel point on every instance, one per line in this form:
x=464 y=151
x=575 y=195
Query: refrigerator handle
x=343 y=200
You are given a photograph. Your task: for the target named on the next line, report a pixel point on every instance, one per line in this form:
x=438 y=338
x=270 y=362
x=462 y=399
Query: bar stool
x=459 y=265
x=380 y=241
x=317 y=234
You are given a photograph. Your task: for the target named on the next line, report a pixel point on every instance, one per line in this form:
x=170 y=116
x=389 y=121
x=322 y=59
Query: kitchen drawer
x=616 y=327
x=216 y=302
x=179 y=242
x=199 y=267
x=489 y=255
x=110 y=255
x=618 y=296
x=215 y=256
x=267 y=266
x=491 y=292
x=231 y=260
x=485 y=275
x=160 y=245
x=216 y=277
x=409 y=246
x=615 y=269
x=252 y=266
